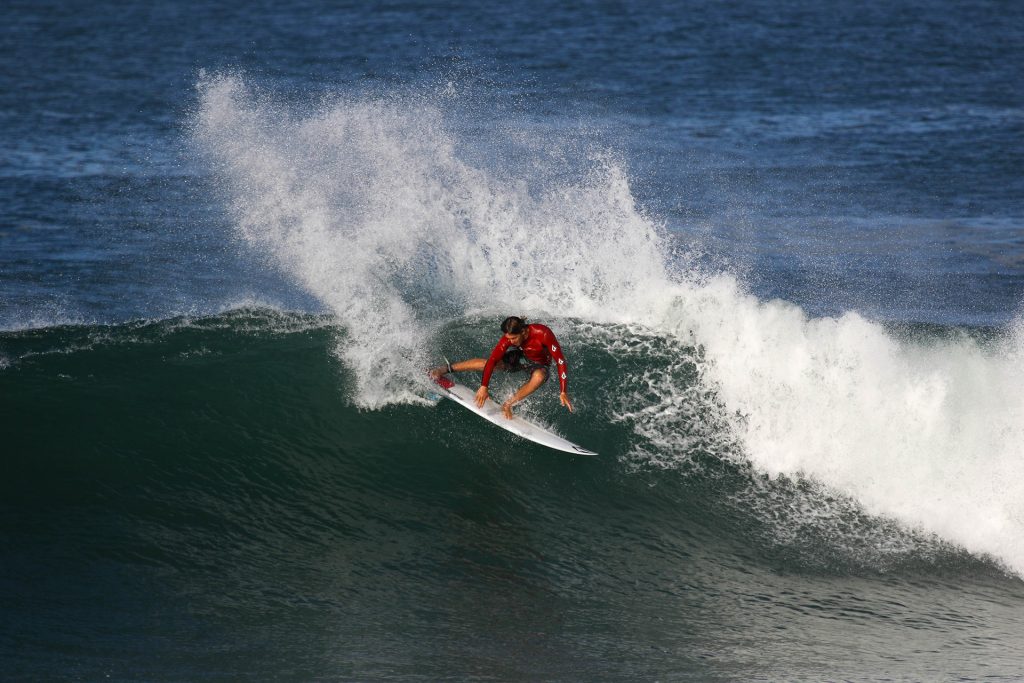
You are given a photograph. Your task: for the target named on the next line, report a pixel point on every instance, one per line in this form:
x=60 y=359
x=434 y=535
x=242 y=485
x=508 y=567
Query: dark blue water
x=869 y=150
x=784 y=245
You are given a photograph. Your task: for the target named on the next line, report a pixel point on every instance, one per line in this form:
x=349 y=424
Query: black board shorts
x=513 y=361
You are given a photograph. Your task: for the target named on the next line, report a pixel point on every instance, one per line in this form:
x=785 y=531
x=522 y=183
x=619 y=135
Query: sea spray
x=369 y=204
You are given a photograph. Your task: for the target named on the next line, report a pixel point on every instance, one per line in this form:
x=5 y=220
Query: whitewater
x=398 y=223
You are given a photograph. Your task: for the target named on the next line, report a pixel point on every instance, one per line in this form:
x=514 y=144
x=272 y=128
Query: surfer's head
x=515 y=329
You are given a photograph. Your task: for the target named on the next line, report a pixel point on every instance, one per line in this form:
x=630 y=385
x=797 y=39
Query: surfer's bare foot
x=437 y=372
x=507 y=409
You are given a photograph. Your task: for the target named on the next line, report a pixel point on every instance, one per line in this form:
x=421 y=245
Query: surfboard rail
x=519 y=426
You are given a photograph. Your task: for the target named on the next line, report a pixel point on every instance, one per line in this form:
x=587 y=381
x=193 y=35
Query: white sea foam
x=370 y=205
x=931 y=434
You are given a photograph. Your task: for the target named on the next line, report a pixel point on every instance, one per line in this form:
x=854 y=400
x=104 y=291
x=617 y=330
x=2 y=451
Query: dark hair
x=513 y=324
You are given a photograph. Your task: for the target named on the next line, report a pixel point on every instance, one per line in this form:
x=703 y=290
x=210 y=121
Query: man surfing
x=535 y=344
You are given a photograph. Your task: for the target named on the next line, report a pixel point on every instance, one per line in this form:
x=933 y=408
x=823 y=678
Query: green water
x=198 y=499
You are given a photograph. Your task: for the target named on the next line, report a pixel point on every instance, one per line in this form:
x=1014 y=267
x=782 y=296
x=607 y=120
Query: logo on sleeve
x=554 y=349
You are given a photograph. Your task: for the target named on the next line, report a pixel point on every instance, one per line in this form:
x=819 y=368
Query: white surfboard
x=491 y=411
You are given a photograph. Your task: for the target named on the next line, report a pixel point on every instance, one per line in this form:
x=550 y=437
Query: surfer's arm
x=560 y=364
x=496 y=355
x=561 y=368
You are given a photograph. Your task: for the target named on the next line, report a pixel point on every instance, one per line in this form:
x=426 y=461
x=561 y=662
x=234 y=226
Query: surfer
x=522 y=348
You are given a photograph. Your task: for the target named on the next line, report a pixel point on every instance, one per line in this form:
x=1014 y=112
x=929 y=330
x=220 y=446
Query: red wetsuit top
x=540 y=347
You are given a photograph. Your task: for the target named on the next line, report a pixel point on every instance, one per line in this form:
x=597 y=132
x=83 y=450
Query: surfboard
x=519 y=426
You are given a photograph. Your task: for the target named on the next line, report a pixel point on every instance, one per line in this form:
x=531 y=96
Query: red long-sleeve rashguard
x=541 y=347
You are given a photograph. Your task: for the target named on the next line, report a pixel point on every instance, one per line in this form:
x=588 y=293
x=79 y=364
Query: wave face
x=212 y=472
x=378 y=208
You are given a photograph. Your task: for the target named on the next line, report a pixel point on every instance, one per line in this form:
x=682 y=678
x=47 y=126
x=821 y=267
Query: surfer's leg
x=471 y=365
x=461 y=366
x=537 y=378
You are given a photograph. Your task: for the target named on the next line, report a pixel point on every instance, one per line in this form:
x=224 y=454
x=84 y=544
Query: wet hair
x=513 y=324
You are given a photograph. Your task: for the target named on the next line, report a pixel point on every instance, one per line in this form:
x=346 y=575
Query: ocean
x=782 y=245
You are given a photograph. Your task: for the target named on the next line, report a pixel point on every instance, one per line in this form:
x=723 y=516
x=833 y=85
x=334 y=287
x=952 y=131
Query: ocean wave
x=372 y=206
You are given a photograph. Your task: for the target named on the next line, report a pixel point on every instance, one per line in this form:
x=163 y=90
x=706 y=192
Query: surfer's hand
x=506 y=408
x=481 y=396
x=564 y=398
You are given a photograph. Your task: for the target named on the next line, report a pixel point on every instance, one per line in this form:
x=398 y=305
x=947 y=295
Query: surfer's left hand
x=564 y=398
